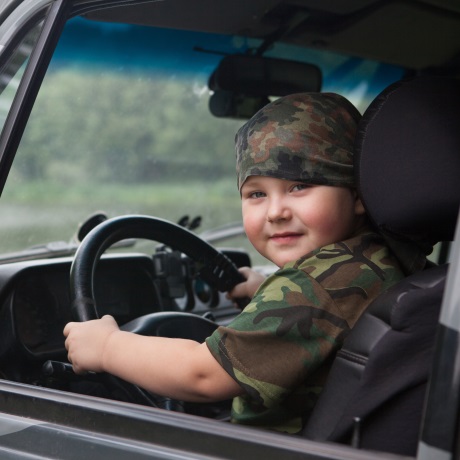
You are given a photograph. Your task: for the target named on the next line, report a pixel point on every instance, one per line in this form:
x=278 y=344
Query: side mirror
x=242 y=84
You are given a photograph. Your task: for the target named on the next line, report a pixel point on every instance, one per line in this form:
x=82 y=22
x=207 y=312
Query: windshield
x=122 y=126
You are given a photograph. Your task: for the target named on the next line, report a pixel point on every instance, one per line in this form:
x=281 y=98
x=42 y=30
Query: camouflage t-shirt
x=280 y=348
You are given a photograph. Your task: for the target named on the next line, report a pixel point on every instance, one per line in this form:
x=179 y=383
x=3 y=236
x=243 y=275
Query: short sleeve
x=291 y=326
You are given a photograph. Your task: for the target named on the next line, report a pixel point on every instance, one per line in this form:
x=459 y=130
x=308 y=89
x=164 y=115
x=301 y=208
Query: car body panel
x=47 y=423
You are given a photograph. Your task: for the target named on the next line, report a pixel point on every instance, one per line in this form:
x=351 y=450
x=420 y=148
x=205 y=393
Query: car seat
x=407 y=163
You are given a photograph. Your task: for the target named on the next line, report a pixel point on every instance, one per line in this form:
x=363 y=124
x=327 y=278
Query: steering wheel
x=213 y=267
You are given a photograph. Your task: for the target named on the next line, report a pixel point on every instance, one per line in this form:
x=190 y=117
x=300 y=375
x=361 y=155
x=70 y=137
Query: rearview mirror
x=242 y=84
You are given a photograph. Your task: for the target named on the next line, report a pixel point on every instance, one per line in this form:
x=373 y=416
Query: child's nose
x=278 y=210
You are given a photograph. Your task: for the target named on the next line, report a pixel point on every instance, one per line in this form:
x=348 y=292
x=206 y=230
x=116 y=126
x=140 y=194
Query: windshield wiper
x=224 y=232
x=52 y=250
x=62 y=248
x=48 y=250
x=55 y=249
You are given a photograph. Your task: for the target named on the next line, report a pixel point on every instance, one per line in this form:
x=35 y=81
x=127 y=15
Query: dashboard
x=35 y=300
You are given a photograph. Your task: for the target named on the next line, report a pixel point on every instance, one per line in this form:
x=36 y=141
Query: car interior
x=372 y=398
x=406 y=164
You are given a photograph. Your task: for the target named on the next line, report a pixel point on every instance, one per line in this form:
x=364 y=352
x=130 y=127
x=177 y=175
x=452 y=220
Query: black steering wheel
x=213 y=267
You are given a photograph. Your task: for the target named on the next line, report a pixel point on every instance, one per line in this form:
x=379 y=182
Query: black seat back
x=376 y=388
x=408 y=171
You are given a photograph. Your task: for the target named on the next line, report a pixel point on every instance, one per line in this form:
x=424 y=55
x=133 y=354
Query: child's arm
x=249 y=287
x=176 y=368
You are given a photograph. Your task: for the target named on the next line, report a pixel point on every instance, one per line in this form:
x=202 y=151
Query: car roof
x=417 y=35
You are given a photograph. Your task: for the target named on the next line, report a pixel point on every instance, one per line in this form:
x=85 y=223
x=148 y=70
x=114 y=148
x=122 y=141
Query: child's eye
x=298 y=187
x=256 y=195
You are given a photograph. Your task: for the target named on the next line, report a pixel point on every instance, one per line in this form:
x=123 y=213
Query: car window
x=13 y=70
x=122 y=126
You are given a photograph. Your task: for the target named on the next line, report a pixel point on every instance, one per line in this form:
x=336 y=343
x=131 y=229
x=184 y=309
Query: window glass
x=122 y=125
x=12 y=72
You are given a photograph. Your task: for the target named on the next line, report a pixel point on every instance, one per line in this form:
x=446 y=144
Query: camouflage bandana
x=305 y=137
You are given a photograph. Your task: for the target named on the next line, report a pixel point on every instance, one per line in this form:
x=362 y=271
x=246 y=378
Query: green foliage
x=124 y=128
x=122 y=143
x=51 y=210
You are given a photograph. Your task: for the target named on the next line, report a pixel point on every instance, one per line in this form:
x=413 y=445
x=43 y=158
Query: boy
x=300 y=210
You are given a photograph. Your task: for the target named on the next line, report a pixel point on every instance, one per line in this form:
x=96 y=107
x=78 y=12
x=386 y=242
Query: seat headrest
x=407 y=159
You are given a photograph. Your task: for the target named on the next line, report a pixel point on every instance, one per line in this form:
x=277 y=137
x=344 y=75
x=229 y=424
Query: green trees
x=124 y=143
x=124 y=127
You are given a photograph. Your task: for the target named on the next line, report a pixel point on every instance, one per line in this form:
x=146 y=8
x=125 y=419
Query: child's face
x=284 y=220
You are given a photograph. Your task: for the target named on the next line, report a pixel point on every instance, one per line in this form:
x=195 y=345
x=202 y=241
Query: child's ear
x=359 y=207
